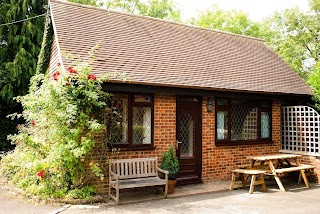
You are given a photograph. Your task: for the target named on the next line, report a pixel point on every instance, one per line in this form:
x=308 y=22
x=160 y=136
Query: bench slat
x=249 y=171
x=293 y=169
x=139 y=182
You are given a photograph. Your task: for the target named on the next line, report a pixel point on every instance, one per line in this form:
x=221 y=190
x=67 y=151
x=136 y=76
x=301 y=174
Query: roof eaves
x=55 y=34
x=206 y=88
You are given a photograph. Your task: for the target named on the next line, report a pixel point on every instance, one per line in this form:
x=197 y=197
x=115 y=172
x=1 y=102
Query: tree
x=296 y=37
x=314 y=82
x=233 y=21
x=19 y=48
x=162 y=9
x=96 y=3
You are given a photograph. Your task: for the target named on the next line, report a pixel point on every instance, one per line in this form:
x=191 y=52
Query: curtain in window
x=265 y=125
x=222 y=124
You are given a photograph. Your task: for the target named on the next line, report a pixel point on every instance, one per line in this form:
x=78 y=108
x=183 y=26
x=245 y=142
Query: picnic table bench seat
x=295 y=168
x=254 y=173
x=133 y=173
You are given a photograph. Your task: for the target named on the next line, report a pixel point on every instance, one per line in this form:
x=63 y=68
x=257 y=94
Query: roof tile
x=157 y=52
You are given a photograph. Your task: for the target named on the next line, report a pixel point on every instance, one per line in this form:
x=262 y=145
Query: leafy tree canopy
x=162 y=9
x=233 y=21
x=19 y=48
x=19 y=45
x=296 y=37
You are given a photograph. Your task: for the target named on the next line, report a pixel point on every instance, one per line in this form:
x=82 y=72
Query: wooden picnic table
x=277 y=164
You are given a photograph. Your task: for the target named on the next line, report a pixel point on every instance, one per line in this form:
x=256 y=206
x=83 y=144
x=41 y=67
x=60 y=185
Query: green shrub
x=170 y=162
x=85 y=192
x=63 y=117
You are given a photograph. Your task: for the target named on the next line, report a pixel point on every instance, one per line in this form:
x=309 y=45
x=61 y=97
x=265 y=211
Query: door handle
x=178 y=142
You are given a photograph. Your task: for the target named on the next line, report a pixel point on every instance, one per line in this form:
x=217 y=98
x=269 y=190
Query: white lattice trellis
x=300 y=130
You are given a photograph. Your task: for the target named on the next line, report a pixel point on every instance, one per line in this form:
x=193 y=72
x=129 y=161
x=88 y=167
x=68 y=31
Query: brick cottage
x=215 y=96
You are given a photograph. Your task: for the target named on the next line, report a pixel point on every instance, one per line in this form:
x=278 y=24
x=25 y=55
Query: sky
x=257 y=9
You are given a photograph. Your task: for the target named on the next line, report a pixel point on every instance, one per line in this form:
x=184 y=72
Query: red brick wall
x=216 y=161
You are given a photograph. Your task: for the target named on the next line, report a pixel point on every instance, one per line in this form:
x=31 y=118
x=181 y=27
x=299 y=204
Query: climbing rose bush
x=63 y=113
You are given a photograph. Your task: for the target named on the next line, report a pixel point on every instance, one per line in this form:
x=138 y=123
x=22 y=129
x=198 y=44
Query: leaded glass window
x=186 y=135
x=242 y=120
x=119 y=128
x=265 y=125
x=141 y=125
x=135 y=124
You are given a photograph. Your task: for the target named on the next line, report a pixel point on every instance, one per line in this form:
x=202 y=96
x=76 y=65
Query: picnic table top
x=273 y=157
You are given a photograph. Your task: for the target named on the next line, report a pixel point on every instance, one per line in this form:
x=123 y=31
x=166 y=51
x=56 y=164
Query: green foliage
x=19 y=48
x=63 y=118
x=44 y=55
x=314 y=82
x=95 y=3
x=170 y=162
x=20 y=45
x=231 y=21
x=84 y=193
x=295 y=37
x=162 y=9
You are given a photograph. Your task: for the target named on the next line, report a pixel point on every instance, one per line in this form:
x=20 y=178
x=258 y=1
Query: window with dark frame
x=133 y=125
x=242 y=121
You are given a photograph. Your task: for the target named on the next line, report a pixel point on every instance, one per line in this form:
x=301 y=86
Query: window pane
x=141 y=125
x=186 y=124
x=119 y=121
x=222 y=125
x=142 y=99
x=222 y=102
x=265 y=125
x=244 y=117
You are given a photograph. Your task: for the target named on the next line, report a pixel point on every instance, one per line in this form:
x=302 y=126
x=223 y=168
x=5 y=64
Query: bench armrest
x=163 y=171
x=112 y=174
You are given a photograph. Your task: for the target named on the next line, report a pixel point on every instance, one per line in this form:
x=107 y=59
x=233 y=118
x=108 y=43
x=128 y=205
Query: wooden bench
x=254 y=173
x=132 y=173
x=301 y=168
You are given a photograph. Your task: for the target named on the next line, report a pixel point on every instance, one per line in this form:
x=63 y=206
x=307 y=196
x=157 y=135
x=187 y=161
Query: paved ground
x=297 y=199
x=11 y=204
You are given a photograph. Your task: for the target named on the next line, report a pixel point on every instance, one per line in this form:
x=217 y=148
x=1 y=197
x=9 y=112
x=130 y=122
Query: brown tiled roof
x=162 y=53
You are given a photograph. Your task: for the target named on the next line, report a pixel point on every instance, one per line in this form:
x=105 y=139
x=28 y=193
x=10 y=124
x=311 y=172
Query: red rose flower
x=56 y=75
x=58 y=169
x=67 y=83
x=92 y=76
x=58 y=64
x=41 y=174
x=33 y=123
x=117 y=106
x=72 y=71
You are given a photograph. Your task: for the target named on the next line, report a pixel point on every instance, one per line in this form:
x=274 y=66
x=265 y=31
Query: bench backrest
x=134 y=168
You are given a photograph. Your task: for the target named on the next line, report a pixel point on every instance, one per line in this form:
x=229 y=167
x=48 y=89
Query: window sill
x=133 y=148
x=240 y=143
